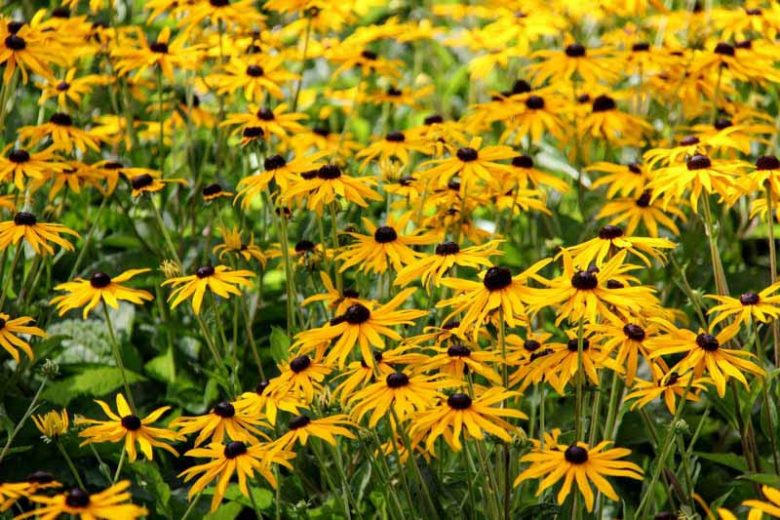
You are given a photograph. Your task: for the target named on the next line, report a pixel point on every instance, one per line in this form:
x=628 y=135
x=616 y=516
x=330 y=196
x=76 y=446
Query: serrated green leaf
x=91 y=381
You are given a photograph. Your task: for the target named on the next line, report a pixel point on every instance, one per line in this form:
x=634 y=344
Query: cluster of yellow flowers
x=498 y=192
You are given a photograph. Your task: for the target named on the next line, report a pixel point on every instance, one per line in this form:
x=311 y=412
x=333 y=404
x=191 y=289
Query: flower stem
x=118 y=357
x=578 y=422
x=20 y=424
x=721 y=285
x=772 y=266
x=9 y=276
x=70 y=464
x=335 y=238
x=119 y=466
x=164 y=231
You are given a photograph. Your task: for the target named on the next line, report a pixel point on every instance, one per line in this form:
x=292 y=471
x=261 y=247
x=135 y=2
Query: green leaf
x=149 y=477
x=91 y=381
x=280 y=344
x=731 y=460
x=162 y=367
x=227 y=511
x=263 y=497
x=768 y=479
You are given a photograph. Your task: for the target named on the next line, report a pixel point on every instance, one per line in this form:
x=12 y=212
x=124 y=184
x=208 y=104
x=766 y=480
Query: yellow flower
x=233 y=457
x=612 y=239
x=460 y=412
x=255 y=77
x=113 y=502
x=11 y=492
x=327 y=184
x=770 y=505
x=581 y=463
x=430 y=269
x=148 y=183
x=52 y=424
x=100 y=288
x=643 y=210
x=224 y=419
x=300 y=378
x=26 y=48
x=64 y=134
x=221 y=280
x=277 y=170
x=17 y=165
x=326 y=428
x=471 y=164
x=267 y=403
x=124 y=426
x=232 y=243
x=763 y=306
x=26 y=226
x=10 y=331
x=666 y=384
x=138 y=56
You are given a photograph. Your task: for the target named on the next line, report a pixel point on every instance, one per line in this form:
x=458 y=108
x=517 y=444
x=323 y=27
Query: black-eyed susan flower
x=698 y=174
x=265 y=122
x=562 y=363
x=302 y=377
x=575 y=61
x=652 y=214
x=63 y=134
x=70 y=88
x=612 y=239
x=624 y=179
x=18 y=165
x=395 y=145
x=581 y=463
x=223 y=420
x=459 y=414
x=220 y=280
x=763 y=306
x=497 y=292
x=233 y=245
x=100 y=288
x=704 y=352
x=231 y=458
x=25 y=226
x=11 y=332
x=334 y=300
x=141 y=55
x=529 y=356
x=280 y=171
x=241 y=13
x=363 y=325
x=214 y=191
x=25 y=49
x=359 y=373
x=255 y=77
x=627 y=341
x=459 y=361
x=301 y=427
x=52 y=424
x=113 y=502
x=405 y=394
x=12 y=492
x=605 y=121
x=471 y=164
x=129 y=429
x=330 y=184
x=430 y=269
x=148 y=183
x=592 y=293
x=525 y=173
x=266 y=402
x=667 y=385
x=385 y=246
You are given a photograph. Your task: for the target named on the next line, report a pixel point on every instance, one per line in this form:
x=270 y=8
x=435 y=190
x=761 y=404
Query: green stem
x=772 y=267
x=578 y=422
x=164 y=231
x=70 y=464
x=118 y=357
x=120 y=465
x=335 y=238
x=9 y=276
x=20 y=424
x=717 y=266
x=191 y=507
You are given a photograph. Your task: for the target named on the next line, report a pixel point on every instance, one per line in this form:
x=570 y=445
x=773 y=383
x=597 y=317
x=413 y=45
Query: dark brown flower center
x=140 y=182
x=610 y=232
x=467 y=154
x=62 y=86
x=266 y=114
x=634 y=332
x=447 y=248
x=255 y=71
x=298 y=421
x=395 y=137
x=251 y=132
x=531 y=345
x=25 y=218
x=274 y=162
x=131 y=423
x=573 y=345
x=385 y=235
x=15 y=42
x=459 y=401
x=497 y=278
x=76 y=498
x=19 y=156
x=521 y=86
x=708 y=342
x=99 y=280
x=644 y=200
x=433 y=119
x=723 y=123
x=614 y=284
x=458 y=350
x=635 y=168
x=397 y=380
x=698 y=162
x=724 y=49
x=640 y=47
x=689 y=140
x=369 y=55
x=305 y=246
x=523 y=161
x=749 y=298
x=534 y=102
x=234 y=449
x=40 y=477
x=584 y=280
x=261 y=386
x=211 y=190
x=603 y=104
x=767 y=162
x=61 y=119
x=329 y=172
x=225 y=409
x=204 y=271
x=357 y=314
x=159 y=47
x=575 y=50
x=300 y=364
x=576 y=454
